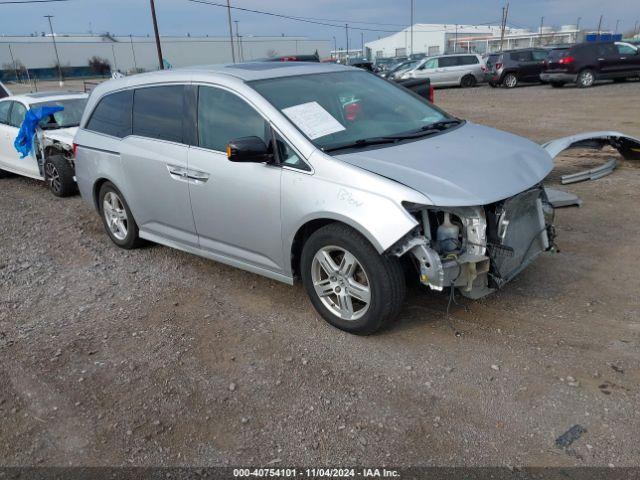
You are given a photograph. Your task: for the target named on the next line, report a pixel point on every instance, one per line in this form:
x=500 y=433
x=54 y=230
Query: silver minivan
x=465 y=70
x=319 y=172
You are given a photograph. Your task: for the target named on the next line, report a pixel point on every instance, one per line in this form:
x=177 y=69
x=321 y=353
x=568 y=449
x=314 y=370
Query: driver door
x=428 y=70
x=236 y=206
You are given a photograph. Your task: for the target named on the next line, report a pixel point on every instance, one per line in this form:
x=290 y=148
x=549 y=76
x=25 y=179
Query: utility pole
x=599 y=26
x=133 y=52
x=412 y=8
x=233 y=55
x=115 y=62
x=617 y=25
x=15 y=65
x=238 y=44
x=578 y=23
x=335 y=47
x=155 y=30
x=455 y=42
x=346 y=29
x=505 y=14
x=541 y=26
x=55 y=48
x=635 y=28
x=362 y=43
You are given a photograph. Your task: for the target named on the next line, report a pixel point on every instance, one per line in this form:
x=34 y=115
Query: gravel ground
x=157 y=357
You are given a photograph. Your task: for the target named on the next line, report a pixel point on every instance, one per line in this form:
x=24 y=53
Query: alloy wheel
x=587 y=78
x=510 y=81
x=341 y=282
x=115 y=215
x=52 y=177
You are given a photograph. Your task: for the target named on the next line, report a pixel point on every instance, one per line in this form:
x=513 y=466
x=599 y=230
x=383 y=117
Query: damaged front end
x=478 y=249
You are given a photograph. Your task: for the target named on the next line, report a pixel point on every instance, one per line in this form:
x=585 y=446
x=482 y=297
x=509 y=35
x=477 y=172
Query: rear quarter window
x=112 y=115
x=469 y=60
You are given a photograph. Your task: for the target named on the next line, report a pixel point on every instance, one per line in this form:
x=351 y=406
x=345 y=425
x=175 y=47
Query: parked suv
x=585 y=63
x=315 y=171
x=513 y=67
x=465 y=70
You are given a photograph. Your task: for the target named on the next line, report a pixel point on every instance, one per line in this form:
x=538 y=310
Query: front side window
x=4 y=112
x=288 y=156
x=158 y=112
x=607 y=50
x=69 y=117
x=112 y=116
x=223 y=116
x=17 y=114
x=625 y=49
x=432 y=63
x=338 y=108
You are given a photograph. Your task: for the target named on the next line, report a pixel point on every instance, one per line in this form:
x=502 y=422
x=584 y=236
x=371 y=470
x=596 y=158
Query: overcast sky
x=179 y=17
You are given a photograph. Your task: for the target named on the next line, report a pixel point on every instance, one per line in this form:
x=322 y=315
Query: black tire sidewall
x=468 y=81
x=65 y=174
x=132 y=239
x=371 y=262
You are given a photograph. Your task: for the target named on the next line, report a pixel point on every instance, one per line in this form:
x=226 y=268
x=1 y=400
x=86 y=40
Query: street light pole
x=335 y=47
x=233 y=55
x=412 y=7
x=346 y=30
x=238 y=43
x=155 y=30
x=55 y=48
x=133 y=52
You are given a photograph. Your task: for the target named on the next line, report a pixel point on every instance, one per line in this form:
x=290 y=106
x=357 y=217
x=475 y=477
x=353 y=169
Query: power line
x=311 y=20
x=19 y=2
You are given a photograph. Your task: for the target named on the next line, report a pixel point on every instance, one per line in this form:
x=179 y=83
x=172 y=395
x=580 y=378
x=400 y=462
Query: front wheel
x=350 y=284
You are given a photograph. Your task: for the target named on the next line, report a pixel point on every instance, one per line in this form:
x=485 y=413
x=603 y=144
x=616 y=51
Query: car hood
x=466 y=166
x=62 y=135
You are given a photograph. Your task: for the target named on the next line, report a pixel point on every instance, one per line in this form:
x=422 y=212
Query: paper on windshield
x=313 y=120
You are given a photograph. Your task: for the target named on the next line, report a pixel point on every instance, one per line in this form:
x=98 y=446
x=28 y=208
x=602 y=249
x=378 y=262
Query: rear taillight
x=566 y=60
x=432 y=95
x=75 y=149
x=498 y=66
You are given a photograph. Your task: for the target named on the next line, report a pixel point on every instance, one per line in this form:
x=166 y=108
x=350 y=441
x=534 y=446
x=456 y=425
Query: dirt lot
x=157 y=357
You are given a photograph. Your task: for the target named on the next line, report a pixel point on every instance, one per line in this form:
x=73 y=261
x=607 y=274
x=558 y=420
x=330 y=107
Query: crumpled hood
x=467 y=166
x=62 y=135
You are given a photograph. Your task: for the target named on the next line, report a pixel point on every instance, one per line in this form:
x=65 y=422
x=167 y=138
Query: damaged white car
x=50 y=157
x=319 y=172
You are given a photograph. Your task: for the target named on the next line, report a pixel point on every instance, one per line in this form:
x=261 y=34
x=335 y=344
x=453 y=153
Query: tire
x=557 y=84
x=586 y=78
x=118 y=220
x=510 y=80
x=58 y=174
x=468 y=81
x=383 y=276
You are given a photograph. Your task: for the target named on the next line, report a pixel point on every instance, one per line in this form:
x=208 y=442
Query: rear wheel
x=58 y=173
x=468 y=81
x=349 y=283
x=510 y=80
x=586 y=78
x=117 y=218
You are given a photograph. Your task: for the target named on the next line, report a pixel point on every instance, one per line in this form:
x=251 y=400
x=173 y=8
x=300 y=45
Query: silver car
x=465 y=70
x=319 y=172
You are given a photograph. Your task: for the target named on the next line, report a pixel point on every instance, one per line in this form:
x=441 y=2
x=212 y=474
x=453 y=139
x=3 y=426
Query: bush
x=100 y=66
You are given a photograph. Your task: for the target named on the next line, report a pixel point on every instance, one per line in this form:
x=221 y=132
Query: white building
x=127 y=53
x=428 y=38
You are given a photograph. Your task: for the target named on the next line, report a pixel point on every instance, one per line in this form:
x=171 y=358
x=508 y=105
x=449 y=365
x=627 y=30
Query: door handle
x=178 y=173
x=198 y=177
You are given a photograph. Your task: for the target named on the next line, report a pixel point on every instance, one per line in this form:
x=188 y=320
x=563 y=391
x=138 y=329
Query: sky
x=182 y=17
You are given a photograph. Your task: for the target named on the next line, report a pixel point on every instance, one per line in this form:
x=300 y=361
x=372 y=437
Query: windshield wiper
x=363 y=142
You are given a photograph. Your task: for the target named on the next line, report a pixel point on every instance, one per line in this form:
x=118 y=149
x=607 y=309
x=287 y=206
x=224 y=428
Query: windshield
x=406 y=66
x=69 y=117
x=334 y=109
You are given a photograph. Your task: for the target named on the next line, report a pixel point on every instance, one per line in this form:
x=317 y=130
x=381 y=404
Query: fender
x=628 y=147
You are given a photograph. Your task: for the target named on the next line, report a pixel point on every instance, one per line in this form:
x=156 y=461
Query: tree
x=100 y=66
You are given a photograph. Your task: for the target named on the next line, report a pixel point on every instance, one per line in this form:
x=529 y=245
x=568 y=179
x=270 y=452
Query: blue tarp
x=24 y=140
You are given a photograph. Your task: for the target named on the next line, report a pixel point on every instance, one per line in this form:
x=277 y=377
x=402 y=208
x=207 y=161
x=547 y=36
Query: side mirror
x=248 y=149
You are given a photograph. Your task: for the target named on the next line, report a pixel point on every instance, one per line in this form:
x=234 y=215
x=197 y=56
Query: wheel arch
x=306 y=229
